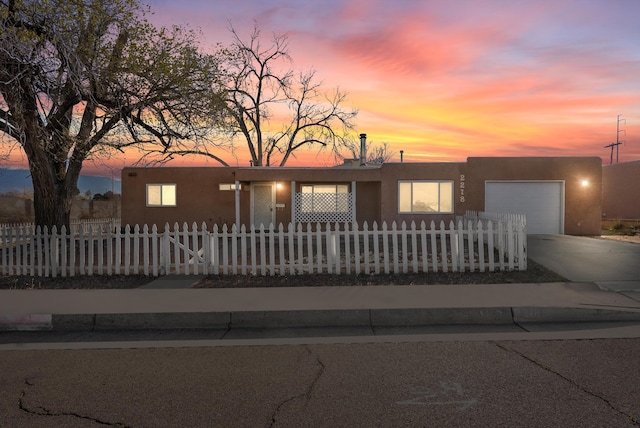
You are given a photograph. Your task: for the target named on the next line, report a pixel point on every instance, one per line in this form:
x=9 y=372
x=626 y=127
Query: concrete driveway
x=613 y=265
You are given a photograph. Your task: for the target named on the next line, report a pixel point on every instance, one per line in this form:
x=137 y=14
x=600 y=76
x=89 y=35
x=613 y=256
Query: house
x=558 y=194
x=620 y=190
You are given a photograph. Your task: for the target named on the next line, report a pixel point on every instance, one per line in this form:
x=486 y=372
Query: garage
x=541 y=201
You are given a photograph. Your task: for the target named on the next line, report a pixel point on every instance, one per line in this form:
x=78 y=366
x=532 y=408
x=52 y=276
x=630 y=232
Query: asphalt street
x=570 y=383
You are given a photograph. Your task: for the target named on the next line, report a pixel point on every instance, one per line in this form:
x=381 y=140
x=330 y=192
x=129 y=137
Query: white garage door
x=541 y=201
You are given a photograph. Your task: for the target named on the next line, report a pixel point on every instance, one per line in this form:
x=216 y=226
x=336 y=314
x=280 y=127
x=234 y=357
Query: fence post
x=443 y=247
x=272 y=249
x=455 y=246
x=281 y=248
x=510 y=245
x=396 y=249
x=300 y=258
x=501 y=245
x=225 y=249
x=356 y=246
x=4 y=243
x=347 y=249
x=330 y=246
x=145 y=249
x=338 y=254
x=100 y=253
x=481 y=245
x=319 y=247
x=243 y=248
x=471 y=246
x=127 y=249
x=234 y=249
x=309 y=236
x=20 y=250
x=263 y=250
x=460 y=236
x=385 y=246
x=365 y=253
x=155 y=247
x=166 y=250
x=254 y=269
x=522 y=239
x=206 y=247
x=414 y=248
x=215 y=250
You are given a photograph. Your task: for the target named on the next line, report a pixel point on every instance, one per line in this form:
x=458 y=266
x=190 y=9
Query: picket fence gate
x=340 y=248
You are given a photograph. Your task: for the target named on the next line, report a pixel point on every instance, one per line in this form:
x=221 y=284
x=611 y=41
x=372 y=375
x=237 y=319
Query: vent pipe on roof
x=363 y=149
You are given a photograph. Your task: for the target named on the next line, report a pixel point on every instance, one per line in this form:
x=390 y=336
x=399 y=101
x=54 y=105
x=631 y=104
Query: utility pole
x=616 y=145
x=612 y=145
x=618 y=131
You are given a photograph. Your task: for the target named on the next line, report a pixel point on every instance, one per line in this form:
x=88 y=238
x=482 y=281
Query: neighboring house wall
x=621 y=190
x=379 y=196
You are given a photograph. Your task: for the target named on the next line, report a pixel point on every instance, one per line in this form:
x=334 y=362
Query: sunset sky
x=445 y=80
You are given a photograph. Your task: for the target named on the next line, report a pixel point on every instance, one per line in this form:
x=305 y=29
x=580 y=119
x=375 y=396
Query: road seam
x=632 y=418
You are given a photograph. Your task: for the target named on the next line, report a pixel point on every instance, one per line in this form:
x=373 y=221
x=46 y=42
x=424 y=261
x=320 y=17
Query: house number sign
x=462 y=187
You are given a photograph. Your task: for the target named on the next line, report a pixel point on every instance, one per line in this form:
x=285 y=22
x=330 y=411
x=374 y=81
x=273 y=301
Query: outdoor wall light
x=278 y=186
x=584 y=183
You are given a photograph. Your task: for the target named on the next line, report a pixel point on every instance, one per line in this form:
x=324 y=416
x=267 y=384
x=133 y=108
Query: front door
x=262 y=204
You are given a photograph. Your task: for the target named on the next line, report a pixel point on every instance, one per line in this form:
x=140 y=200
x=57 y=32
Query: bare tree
x=81 y=77
x=376 y=153
x=262 y=86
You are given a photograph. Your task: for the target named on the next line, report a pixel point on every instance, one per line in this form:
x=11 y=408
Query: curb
x=373 y=318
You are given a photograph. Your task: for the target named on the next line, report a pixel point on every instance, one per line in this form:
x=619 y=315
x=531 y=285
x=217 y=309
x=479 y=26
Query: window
x=161 y=195
x=425 y=197
x=324 y=198
x=229 y=186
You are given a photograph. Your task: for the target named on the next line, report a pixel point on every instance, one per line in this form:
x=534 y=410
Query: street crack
x=43 y=411
x=306 y=394
x=632 y=418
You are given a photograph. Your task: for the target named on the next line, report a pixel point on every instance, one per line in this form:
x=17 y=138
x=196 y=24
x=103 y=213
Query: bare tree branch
x=261 y=84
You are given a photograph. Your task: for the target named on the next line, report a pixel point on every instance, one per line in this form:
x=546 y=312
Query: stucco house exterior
x=621 y=191
x=558 y=194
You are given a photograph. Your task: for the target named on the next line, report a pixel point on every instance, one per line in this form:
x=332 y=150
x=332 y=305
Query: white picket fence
x=74 y=225
x=339 y=248
x=501 y=220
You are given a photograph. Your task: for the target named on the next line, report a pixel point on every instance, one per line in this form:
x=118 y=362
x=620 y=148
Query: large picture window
x=417 y=197
x=324 y=198
x=161 y=195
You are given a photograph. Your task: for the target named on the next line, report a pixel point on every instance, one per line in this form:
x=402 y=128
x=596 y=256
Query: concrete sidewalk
x=373 y=306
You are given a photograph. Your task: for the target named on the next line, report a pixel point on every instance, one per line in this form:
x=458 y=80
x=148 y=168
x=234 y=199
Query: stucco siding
x=200 y=200
x=621 y=191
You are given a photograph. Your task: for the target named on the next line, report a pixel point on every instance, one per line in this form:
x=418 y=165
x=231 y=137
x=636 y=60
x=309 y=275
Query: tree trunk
x=51 y=197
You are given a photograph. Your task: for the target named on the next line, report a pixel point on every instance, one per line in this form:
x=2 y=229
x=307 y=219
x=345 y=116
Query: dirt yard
x=534 y=273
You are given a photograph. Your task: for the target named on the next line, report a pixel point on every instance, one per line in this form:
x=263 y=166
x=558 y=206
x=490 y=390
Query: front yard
x=534 y=274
